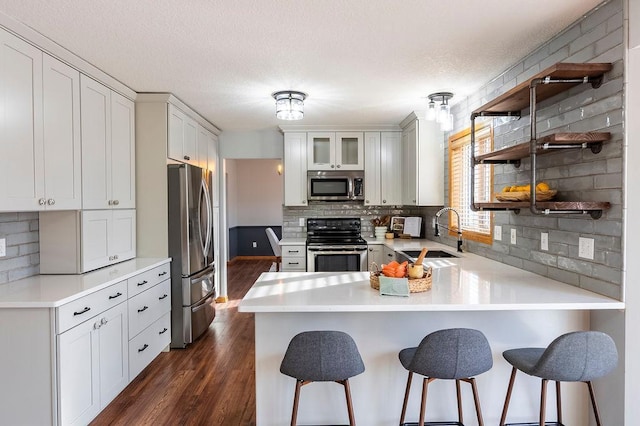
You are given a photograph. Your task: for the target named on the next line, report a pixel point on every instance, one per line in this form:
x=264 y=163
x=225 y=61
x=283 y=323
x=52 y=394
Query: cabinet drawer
x=73 y=313
x=294 y=251
x=148 y=344
x=294 y=264
x=148 y=306
x=148 y=279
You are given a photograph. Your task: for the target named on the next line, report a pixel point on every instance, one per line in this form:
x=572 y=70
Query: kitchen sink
x=413 y=254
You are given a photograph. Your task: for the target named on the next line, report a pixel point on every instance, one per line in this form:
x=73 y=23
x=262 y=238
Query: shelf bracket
x=595 y=147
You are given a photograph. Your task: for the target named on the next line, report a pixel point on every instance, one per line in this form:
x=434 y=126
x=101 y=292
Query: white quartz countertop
x=293 y=241
x=50 y=291
x=466 y=283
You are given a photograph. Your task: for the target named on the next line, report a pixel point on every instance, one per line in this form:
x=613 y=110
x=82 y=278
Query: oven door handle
x=338 y=251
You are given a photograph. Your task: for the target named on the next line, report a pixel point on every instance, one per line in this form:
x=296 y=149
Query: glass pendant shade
x=289 y=105
x=431 y=111
x=442 y=113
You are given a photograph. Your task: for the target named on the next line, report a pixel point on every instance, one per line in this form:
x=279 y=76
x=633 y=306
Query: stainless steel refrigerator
x=191 y=249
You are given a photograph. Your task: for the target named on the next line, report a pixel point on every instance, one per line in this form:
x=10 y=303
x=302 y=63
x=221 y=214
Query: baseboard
x=222 y=299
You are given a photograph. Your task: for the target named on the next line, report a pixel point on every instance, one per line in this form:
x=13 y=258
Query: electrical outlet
x=254 y=244
x=497 y=233
x=585 y=248
x=544 y=241
x=301 y=221
x=433 y=222
x=3 y=247
x=513 y=236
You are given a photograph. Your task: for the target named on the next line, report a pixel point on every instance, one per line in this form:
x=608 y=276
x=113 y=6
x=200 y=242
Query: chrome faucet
x=437 y=232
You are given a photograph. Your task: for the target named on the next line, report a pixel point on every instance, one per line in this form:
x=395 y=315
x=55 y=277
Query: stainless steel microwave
x=335 y=186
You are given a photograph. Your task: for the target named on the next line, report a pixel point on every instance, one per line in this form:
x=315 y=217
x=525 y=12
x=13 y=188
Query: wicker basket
x=415 y=285
x=525 y=196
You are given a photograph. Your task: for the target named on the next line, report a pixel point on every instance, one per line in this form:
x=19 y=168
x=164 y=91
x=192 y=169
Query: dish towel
x=394 y=286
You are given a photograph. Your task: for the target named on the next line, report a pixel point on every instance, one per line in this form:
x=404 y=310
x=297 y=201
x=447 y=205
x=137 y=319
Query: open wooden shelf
x=545 y=145
x=517 y=98
x=594 y=208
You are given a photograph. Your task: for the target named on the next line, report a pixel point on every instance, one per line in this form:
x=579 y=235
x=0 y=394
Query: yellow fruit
x=527 y=188
x=514 y=188
x=506 y=189
x=542 y=186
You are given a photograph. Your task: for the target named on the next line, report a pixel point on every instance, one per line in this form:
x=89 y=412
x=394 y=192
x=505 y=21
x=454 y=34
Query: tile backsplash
x=20 y=230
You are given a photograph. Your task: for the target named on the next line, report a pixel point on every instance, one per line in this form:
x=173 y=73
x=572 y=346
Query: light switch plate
x=513 y=236
x=544 y=241
x=497 y=233
x=585 y=248
x=3 y=247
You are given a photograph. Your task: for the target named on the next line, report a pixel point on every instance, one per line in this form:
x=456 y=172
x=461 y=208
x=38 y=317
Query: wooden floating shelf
x=565 y=140
x=517 y=98
x=546 y=205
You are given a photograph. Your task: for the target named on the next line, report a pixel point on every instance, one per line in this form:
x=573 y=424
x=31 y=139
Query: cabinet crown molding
x=340 y=128
x=170 y=98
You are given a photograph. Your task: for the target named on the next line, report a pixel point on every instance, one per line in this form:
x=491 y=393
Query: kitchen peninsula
x=512 y=307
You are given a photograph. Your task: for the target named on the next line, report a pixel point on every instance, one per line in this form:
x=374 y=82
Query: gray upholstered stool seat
x=579 y=356
x=322 y=356
x=455 y=354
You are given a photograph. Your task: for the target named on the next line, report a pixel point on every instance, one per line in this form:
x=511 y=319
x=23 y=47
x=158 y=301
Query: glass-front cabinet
x=335 y=150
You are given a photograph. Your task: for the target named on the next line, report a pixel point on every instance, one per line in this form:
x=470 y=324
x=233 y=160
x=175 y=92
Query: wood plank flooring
x=209 y=383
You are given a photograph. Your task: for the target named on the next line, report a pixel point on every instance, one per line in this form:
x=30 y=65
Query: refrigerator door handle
x=202 y=240
x=207 y=245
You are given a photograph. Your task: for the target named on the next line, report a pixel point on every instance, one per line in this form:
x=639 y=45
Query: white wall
x=260 y=193
x=232 y=193
x=252 y=144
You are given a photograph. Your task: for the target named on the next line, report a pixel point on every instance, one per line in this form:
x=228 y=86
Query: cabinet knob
x=51 y=201
x=115 y=257
x=384 y=201
x=110 y=258
x=116 y=202
x=304 y=201
x=186 y=157
x=96 y=325
x=338 y=166
x=103 y=321
x=42 y=201
x=332 y=166
x=366 y=201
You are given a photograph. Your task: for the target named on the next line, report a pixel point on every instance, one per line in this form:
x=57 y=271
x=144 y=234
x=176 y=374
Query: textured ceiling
x=360 y=61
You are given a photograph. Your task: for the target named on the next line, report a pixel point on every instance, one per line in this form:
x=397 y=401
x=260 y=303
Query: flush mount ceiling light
x=289 y=104
x=440 y=113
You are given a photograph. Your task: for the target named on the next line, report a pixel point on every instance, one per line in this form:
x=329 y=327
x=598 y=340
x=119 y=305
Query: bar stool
x=322 y=356
x=580 y=356
x=453 y=354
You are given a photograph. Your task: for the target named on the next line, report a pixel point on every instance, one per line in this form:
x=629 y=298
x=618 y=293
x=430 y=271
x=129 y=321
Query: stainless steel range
x=335 y=245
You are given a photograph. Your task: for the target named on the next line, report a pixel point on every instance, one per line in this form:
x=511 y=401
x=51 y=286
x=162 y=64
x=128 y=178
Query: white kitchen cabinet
x=375 y=255
x=295 y=169
x=388 y=255
x=73 y=242
x=294 y=258
x=93 y=365
x=335 y=150
x=383 y=165
x=423 y=162
x=183 y=137
x=40 y=140
x=214 y=168
x=62 y=145
x=108 y=147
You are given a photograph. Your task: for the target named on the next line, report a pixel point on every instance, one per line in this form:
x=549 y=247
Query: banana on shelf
x=523 y=192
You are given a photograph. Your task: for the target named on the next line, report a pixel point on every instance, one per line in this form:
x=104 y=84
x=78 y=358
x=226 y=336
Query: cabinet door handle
x=164 y=296
x=163 y=331
x=118 y=294
x=162 y=273
x=186 y=157
x=86 y=309
x=144 y=308
x=142 y=283
x=294 y=263
x=143 y=348
x=294 y=251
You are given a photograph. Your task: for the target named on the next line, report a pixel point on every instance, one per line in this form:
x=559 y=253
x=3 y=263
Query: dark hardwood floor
x=209 y=383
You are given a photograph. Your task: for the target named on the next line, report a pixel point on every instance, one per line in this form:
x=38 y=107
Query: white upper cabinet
x=183 y=137
x=295 y=169
x=62 y=145
x=108 y=147
x=383 y=165
x=335 y=150
x=423 y=162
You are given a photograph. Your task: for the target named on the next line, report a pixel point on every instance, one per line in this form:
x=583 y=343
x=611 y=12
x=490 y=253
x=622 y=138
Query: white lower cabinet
x=375 y=255
x=93 y=365
x=388 y=254
x=294 y=258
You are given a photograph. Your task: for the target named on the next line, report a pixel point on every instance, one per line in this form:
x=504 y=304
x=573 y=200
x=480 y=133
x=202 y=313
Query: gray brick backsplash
x=574 y=265
x=536 y=268
x=20 y=230
x=544 y=258
x=564 y=38
x=599 y=286
x=564 y=276
x=588 y=39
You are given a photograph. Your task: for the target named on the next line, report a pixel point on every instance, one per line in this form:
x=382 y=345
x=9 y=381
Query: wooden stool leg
x=459 y=397
x=476 y=401
x=558 y=402
x=593 y=403
x=543 y=401
x=347 y=393
x=503 y=418
x=406 y=398
x=296 y=398
x=423 y=404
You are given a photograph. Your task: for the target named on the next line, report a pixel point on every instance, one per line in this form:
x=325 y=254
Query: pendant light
x=440 y=113
x=289 y=104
